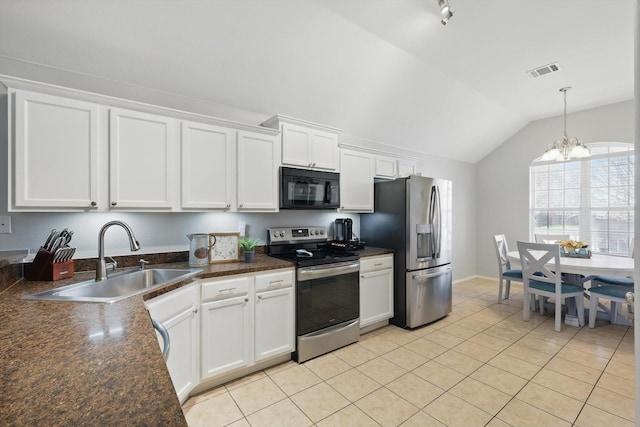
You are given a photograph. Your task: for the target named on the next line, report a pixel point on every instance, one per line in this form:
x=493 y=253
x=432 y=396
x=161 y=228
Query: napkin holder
x=43 y=268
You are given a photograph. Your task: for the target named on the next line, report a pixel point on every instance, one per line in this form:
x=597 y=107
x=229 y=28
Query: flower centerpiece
x=574 y=248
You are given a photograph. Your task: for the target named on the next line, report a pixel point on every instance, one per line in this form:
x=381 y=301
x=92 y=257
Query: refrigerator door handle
x=432 y=220
x=440 y=272
x=438 y=225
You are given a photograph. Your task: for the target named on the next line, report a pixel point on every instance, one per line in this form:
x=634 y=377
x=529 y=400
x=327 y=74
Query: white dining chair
x=538 y=279
x=551 y=238
x=615 y=294
x=626 y=283
x=613 y=280
x=505 y=272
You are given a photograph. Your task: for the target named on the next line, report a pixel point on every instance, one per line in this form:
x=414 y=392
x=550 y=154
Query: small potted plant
x=248 y=247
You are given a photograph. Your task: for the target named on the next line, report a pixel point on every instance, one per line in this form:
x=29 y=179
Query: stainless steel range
x=327 y=289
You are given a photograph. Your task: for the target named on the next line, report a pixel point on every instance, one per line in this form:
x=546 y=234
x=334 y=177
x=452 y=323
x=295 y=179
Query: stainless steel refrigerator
x=413 y=217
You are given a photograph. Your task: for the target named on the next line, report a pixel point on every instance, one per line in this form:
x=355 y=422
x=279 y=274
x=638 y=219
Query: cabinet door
x=274 y=324
x=178 y=312
x=56 y=152
x=356 y=181
x=376 y=296
x=324 y=150
x=406 y=167
x=226 y=335
x=296 y=141
x=143 y=160
x=258 y=172
x=208 y=166
x=385 y=167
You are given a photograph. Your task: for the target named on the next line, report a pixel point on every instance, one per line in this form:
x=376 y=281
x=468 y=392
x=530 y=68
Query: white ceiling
x=384 y=70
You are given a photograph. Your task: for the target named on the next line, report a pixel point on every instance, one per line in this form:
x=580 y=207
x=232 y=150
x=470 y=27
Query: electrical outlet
x=241 y=228
x=5 y=225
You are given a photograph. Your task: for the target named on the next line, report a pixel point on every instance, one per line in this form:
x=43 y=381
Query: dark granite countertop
x=65 y=363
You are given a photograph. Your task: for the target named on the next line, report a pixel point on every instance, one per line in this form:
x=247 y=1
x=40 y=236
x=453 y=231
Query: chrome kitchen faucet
x=101 y=266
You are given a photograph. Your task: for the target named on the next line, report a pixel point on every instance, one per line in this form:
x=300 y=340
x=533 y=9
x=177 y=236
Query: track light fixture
x=445 y=11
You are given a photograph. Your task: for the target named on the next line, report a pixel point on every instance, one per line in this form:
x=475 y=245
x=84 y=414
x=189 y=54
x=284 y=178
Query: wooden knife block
x=43 y=267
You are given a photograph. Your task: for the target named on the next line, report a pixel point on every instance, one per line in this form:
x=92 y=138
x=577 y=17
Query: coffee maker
x=343 y=229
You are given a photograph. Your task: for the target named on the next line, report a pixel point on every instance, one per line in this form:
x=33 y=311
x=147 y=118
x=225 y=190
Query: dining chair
x=551 y=238
x=546 y=282
x=613 y=280
x=626 y=283
x=615 y=294
x=505 y=272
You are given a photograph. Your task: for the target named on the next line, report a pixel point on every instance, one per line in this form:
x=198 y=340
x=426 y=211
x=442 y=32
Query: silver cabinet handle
x=93 y=203
x=114 y=204
x=195 y=311
x=165 y=337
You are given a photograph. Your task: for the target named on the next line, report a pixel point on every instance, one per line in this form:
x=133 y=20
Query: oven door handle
x=327 y=270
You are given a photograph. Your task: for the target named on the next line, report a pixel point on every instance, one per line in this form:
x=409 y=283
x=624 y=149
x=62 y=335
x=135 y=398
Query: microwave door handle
x=327 y=192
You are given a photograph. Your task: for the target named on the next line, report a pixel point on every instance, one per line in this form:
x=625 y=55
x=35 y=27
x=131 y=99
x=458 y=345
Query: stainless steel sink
x=116 y=287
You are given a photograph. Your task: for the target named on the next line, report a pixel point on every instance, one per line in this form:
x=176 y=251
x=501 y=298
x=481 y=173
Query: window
x=590 y=199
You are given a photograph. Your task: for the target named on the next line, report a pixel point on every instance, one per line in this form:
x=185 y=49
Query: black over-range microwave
x=307 y=189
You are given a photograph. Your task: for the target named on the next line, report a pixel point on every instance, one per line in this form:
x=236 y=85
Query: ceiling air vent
x=545 y=69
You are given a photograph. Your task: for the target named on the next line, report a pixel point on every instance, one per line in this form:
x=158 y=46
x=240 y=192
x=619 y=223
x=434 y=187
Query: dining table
x=582 y=270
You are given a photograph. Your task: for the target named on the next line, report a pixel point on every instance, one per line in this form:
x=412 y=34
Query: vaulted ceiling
x=385 y=70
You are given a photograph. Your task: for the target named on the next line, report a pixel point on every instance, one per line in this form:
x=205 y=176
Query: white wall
x=166 y=231
x=503 y=175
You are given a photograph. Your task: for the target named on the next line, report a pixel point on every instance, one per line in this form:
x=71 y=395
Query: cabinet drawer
x=376 y=263
x=220 y=289
x=172 y=303
x=271 y=281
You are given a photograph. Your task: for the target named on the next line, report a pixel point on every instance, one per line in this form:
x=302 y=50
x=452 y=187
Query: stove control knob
x=321 y=232
x=281 y=233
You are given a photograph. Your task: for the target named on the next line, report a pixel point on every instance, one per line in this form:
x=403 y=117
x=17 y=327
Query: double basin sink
x=117 y=287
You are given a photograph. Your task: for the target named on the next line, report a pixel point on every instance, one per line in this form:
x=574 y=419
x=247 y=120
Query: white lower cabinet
x=227 y=315
x=274 y=315
x=376 y=289
x=177 y=311
x=246 y=319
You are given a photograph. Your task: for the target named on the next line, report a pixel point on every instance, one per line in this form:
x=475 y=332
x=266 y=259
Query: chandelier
x=565 y=148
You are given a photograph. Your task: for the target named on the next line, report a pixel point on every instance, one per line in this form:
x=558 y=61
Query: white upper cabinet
x=143 y=159
x=392 y=167
x=55 y=148
x=258 y=162
x=386 y=167
x=208 y=166
x=306 y=144
x=406 y=167
x=356 y=181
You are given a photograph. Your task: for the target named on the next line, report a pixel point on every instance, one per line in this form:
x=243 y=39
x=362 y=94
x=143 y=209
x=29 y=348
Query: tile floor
x=480 y=366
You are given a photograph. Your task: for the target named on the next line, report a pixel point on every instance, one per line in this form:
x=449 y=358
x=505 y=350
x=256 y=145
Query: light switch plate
x=5 y=224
